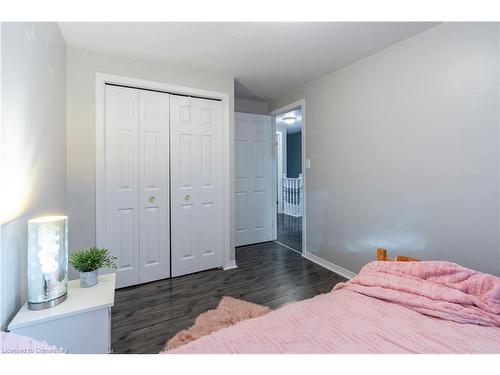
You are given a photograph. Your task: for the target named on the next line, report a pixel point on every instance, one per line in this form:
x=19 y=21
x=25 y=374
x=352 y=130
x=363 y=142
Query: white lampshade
x=47 y=261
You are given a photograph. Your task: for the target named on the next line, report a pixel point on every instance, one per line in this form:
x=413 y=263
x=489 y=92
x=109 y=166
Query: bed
x=398 y=305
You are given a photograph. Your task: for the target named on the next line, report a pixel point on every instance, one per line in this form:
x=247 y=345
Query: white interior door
x=137 y=186
x=154 y=200
x=254 y=179
x=196 y=158
x=122 y=182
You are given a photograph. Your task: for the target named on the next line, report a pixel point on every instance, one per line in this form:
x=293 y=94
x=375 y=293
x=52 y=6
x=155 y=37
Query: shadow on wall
x=34 y=136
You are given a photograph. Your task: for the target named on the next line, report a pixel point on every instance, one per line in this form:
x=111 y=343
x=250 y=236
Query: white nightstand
x=81 y=324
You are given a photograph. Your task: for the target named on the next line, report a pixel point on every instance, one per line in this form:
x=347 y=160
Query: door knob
x=151 y=199
x=187 y=197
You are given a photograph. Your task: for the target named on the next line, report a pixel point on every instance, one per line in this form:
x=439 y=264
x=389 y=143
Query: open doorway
x=270 y=183
x=289 y=176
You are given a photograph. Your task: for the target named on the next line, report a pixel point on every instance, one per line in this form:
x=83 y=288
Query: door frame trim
x=101 y=79
x=279 y=155
x=301 y=103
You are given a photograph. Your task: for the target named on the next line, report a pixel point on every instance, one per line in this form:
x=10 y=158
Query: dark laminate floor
x=290 y=231
x=145 y=317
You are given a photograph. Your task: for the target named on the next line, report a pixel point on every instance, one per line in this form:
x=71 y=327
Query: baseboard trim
x=230 y=265
x=329 y=265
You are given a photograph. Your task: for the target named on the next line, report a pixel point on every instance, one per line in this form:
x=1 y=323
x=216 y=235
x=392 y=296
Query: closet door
x=255 y=166
x=137 y=184
x=196 y=159
x=122 y=182
x=154 y=202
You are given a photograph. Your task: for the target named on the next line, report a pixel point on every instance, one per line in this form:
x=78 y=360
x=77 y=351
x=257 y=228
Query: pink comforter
x=417 y=307
x=439 y=289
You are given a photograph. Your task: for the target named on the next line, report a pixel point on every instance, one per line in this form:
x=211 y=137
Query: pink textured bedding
x=439 y=289
x=390 y=307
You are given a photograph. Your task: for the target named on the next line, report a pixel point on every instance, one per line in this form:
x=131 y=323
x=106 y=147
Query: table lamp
x=47 y=261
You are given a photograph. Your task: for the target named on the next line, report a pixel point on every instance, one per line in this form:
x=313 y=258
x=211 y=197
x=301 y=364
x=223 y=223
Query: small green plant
x=92 y=259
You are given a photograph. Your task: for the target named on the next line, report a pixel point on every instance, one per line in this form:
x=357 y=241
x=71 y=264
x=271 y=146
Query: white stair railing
x=292 y=196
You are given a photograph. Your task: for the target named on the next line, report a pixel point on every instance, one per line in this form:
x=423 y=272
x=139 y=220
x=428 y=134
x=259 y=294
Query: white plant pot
x=88 y=279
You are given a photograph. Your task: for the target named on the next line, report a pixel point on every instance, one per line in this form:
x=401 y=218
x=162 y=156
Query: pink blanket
x=439 y=289
x=350 y=320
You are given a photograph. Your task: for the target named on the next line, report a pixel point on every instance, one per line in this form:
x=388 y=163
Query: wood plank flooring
x=290 y=231
x=145 y=317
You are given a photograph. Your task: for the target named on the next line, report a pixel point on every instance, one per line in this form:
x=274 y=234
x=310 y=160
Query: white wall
x=404 y=149
x=81 y=68
x=33 y=145
x=250 y=106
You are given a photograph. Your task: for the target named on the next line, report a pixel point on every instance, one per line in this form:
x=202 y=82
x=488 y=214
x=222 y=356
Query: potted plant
x=88 y=262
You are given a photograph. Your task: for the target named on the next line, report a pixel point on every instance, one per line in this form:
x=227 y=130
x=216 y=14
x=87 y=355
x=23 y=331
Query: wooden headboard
x=382 y=256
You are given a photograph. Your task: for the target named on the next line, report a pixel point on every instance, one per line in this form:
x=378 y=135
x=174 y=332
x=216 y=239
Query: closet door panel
x=184 y=160
x=121 y=165
x=243 y=182
x=196 y=183
x=125 y=233
x=185 y=242
x=211 y=189
x=154 y=226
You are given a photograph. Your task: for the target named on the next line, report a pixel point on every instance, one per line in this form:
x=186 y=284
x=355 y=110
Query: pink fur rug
x=228 y=312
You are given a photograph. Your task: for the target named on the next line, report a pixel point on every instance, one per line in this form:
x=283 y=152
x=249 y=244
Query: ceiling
x=265 y=58
x=291 y=128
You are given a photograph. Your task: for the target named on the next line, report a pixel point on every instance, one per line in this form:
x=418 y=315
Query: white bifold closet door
x=196 y=159
x=255 y=179
x=137 y=188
